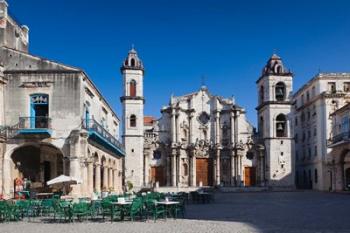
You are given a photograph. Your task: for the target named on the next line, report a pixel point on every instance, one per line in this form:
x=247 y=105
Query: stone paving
x=231 y=212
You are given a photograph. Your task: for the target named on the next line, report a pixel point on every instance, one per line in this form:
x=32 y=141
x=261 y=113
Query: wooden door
x=157 y=175
x=204 y=171
x=249 y=176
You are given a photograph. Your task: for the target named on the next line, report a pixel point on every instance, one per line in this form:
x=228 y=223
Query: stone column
x=239 y=168
x=110 y=177
x=233 y=168
x=193 y=168
x=168 y=170
x=115 y=180
x=218 y=181
x=233 y=138
x=97 y=178
x=7 y=179
x=173 y=125
x=74 y=171
x=173 y=169
x=179 y=172
x=84 y=174
x=105 y=177
x=90 y=177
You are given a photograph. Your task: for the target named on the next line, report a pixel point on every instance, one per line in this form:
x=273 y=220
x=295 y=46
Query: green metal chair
x=81 y=210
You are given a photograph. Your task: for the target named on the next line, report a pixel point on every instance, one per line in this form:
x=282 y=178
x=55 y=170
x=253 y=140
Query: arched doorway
x=37 y=163
x=346 y=171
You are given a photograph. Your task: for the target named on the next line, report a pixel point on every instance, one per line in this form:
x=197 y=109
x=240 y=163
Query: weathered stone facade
x=53 y=121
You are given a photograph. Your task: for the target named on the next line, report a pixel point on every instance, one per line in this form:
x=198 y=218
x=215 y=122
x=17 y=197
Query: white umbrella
x=64 y=180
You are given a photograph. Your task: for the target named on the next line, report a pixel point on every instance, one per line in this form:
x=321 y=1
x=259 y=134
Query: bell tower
x=133 y=110
x=274 y=122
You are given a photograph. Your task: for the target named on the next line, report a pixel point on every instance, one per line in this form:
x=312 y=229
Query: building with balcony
x=53 y=121
x=313 y=104
x=339 y=143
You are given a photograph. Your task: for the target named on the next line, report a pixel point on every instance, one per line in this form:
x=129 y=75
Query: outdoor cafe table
x=167 y=204
x=123 y=205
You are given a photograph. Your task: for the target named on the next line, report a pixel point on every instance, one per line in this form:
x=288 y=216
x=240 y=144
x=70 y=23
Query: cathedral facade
x=203 y=139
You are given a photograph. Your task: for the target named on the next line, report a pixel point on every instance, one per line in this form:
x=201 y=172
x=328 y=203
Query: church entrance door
x=249 y=176
x=204 y=171
x=157 y=175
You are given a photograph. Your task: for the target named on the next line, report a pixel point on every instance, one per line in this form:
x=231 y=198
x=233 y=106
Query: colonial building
x=313 y=105
x=53 y=121
x=339 y=159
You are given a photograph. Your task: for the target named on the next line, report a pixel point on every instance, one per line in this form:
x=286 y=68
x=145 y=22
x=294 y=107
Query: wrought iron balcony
x=40 y=122
x=342 y=137
x=30 y=126
x=99 y=134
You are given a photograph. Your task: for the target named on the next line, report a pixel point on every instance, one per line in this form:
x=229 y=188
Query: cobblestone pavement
x=234 y=212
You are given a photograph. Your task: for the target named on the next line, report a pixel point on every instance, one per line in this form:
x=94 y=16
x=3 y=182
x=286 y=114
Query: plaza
x=230 y=212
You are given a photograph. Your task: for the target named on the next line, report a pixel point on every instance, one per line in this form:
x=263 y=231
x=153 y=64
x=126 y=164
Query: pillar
x=115 y=180
x=193 y=170
x=173 y=169
x=74 y=171
x=262 y=168
x=110 y=178
x=179 y=170
x=218 y=167
x=105 y=178
x=239 y=168
x=7 y=179
x=97 y=178
x=85 y=182
x=233 y=168
x=90 y=177
x=173 y=126
x=168 y=170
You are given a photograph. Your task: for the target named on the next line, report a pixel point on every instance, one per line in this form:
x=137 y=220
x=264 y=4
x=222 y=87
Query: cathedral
x=203 y=139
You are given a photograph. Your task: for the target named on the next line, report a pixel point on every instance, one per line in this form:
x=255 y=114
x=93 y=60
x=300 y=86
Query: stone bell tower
x=274 y=122
x=133 y=111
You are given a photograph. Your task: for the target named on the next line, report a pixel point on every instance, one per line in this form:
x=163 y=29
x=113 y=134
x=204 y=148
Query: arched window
x=280 y=91
x=281 y=123
x=132 y=62
x=132 y=88
x=132 y=121
x=261 y=126
x=261 y=94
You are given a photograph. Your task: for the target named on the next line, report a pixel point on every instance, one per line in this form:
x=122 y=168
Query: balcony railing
x=93 y=126
x=345 y=136
x=40 y=122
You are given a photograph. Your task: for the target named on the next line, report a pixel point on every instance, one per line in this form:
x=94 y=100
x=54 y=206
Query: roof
x=149 y=120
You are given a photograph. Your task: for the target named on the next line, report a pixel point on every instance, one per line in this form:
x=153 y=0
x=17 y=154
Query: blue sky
x=228 y=42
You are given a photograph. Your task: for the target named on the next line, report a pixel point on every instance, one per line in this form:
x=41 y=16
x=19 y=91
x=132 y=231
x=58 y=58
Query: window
x=296 y=155
x=296 y=138
x=347 y=87
x=39 y=111
x=315 y=154
x=307 y=96
x=261 y=94
x=296 y=121
x=331 y=87
x=316 y=176
x=313 y=91
x=132 y=121
x=281 y=123
x=132 y=62
x=280 y=91
x=132 y=88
